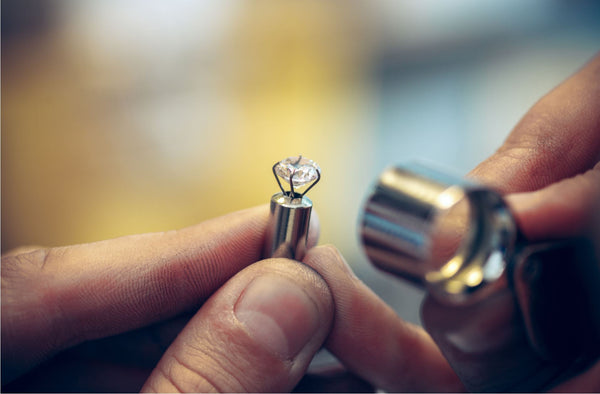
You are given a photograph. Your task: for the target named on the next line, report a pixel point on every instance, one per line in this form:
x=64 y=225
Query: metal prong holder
x=460 y=242
x=290 y=211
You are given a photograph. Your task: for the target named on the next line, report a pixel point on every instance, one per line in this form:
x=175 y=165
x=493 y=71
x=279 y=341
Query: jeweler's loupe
x=445 y=233
x=460 y=242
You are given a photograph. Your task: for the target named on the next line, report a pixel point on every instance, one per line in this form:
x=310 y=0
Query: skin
x=186 y=310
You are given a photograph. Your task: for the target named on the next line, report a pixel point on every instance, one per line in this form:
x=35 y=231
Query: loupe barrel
x=447 y=234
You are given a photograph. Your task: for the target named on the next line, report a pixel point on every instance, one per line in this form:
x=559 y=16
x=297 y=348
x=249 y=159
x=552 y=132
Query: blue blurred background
x=127 y=116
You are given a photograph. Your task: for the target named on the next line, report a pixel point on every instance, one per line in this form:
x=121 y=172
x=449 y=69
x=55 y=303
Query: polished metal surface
x=287 y=232
x=447 y=234
x=526 y=313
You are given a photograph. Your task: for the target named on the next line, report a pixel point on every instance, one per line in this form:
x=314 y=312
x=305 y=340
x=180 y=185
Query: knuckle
x=24 y=262
x=20 y=275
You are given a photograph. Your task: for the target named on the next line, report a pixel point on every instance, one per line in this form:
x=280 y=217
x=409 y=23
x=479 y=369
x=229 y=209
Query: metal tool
x=290 y=210
x=460 y=242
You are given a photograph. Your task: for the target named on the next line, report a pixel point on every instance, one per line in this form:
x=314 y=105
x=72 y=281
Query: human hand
x=549 y=172
x=99 y=317
x=366 y=335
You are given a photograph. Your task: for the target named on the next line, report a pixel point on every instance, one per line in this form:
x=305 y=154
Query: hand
x=99 y=317
x=120 y=290
x=550 y=172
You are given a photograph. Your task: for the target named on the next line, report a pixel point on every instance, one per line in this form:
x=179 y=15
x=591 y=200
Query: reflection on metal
x=289 y=216
x=490 y=291
x=445 y=233
x=287 y=231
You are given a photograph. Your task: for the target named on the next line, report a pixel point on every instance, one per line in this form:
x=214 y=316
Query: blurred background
x=129 y=116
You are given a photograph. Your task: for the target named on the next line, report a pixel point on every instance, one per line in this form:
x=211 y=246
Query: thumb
x=258 y=333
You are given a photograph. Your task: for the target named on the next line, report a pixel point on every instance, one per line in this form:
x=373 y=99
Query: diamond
x=300 y=169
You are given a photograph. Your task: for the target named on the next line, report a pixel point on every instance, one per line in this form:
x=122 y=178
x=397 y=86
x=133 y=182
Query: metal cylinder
x=507 y=314
x=287 y=231
x=447 y=234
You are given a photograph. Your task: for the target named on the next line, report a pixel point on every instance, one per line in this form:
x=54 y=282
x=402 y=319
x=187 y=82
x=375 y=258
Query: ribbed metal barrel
x=441 y=232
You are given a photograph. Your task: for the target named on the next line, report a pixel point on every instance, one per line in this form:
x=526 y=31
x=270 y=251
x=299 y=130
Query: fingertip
x=314 y=231
x=370 y=339
x=327 y=259
x=325 y=251
x=564 y=209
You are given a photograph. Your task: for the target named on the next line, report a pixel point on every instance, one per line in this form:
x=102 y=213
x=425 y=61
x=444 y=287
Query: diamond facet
x=300 y=169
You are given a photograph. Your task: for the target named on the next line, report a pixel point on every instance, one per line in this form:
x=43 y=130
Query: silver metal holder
x=289 y=217
x=287 y=232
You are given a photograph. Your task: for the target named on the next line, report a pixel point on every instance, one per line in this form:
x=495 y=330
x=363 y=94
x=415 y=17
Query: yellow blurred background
x=132 y=116
x=142 y=129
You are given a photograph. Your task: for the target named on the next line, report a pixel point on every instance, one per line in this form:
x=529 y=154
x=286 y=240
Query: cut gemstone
x=300 y=169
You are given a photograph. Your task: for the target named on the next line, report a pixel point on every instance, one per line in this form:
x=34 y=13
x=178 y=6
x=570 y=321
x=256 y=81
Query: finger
x=55 y=298
x=334 y=379
x=564 y=209
x=372 y=341
x=73 y=376
x=258 y=333
x=587 y=382
x=127 y=358
x=486 y=344
x=21 y=250
x=314 y=230
x=556 y=139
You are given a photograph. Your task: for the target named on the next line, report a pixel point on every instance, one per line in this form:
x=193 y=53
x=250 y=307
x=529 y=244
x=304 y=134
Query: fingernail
x=278 y=314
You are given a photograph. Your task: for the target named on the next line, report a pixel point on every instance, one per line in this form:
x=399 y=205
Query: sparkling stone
x=303 y=170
